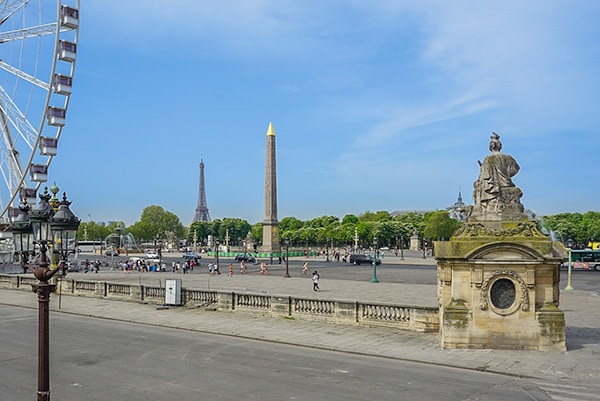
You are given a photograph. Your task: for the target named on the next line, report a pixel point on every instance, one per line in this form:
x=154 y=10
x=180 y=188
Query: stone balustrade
x=413 y=318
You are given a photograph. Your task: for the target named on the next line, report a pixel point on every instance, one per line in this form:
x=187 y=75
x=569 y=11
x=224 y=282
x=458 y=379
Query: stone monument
x=415 y=241
x=270 y=242
x=498 y=275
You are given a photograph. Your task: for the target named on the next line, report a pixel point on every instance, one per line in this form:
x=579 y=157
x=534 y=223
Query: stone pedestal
x=498 y=287
x=415 y=243
x=271 y=242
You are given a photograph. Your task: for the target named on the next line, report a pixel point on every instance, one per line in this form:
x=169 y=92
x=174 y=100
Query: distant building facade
x=459 y=211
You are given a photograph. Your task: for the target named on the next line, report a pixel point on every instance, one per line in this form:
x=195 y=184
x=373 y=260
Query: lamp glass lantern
x=40 y=215
x=64 y=225
x=21 y=229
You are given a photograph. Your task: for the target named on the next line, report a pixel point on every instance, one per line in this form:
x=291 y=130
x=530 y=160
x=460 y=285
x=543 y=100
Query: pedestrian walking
x=315 y=279
x=305 y=268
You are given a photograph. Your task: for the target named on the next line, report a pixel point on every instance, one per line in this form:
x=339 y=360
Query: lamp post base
x=43 y=291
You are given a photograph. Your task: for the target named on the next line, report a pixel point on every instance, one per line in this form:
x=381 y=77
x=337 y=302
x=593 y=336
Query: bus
x=90 y=246
x=585 y=260
x=593 y=245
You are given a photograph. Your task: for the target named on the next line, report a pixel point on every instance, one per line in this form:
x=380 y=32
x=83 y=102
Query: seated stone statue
x=495 y=195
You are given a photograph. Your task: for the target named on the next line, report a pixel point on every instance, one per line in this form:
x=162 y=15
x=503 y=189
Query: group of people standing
x=178 y=267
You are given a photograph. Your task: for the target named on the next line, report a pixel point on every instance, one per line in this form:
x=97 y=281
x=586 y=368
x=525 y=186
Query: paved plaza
x=580 y=364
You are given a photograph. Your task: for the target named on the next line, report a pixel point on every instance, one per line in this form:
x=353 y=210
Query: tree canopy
x=157 y=223
x=575 y=228
x=439 y=226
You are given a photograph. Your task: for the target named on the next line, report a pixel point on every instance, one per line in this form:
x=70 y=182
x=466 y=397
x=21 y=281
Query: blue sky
x=376 y=105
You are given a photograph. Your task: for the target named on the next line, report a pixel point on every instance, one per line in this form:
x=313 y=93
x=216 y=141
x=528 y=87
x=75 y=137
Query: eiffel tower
x=201 y=213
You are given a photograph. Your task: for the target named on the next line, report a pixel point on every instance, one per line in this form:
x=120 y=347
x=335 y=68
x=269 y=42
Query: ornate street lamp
x=374 y=278
x=287 y=256
x=47 y=227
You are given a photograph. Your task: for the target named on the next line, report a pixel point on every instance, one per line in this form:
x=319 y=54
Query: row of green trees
x=157 y=223
x=320 y=231
x=575 y=228
x=390 y=230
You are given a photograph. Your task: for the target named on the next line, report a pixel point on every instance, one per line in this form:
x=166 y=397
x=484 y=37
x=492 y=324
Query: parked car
x=152 y=255
x=245 y=257
x=72 y=267
x=192 y=256
x=359 y=259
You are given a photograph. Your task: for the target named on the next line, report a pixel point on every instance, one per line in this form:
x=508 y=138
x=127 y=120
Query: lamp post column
x=217 y=254
x=374 y=279
x=569 y=286
x=43 y=291
x=402 y=248
x=287 y=257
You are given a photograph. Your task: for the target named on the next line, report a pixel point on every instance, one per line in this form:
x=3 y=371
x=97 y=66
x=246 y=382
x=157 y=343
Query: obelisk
x=270 y=242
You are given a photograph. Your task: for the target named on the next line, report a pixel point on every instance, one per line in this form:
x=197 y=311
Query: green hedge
x=262 y=255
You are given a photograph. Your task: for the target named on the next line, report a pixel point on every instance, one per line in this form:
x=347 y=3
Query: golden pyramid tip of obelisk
x=270 y=130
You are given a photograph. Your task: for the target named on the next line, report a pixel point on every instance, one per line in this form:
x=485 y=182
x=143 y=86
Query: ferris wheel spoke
x=10 y=165
x=10 y=175
x=27 y=33
x=11 y=170
x=23 y=75
x=18 y=120
x=13 y=152
x=10 y=8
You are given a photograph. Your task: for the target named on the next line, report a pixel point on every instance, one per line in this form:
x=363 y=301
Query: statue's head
x=495 y=144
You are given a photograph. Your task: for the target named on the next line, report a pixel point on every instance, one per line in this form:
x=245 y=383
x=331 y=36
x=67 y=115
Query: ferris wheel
x=38 y=50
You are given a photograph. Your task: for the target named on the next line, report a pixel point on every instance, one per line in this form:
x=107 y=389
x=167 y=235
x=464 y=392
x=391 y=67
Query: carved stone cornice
x=522 y=229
